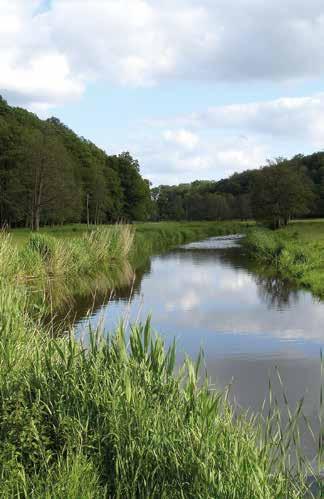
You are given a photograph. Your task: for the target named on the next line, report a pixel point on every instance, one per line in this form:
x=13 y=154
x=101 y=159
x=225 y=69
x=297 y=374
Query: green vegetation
x=49 y=175
x=155 y=235
x=296 y=252
x=68 y=261
x=112 y=420
x=44 y=256
x=273 y=194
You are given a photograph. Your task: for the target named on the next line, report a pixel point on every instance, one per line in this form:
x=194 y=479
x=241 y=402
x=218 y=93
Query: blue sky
x=192 y=88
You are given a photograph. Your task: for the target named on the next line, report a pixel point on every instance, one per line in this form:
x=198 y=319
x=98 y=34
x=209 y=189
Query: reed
x=115 y=418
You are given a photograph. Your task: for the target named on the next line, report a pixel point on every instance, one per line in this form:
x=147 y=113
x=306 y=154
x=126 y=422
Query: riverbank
x=296 y=252
x=115 y=420
x=155 y=234
x=62 y=262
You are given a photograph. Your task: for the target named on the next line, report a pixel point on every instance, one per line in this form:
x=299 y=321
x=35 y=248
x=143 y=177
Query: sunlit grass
x=297 y=252
x=115 y=419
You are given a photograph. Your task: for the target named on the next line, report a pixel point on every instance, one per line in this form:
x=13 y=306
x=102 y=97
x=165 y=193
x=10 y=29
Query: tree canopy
x=50 y=175
x=275 y=193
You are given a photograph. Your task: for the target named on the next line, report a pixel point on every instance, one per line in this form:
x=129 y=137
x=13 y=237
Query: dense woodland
x=275 y=193
x=50 y=175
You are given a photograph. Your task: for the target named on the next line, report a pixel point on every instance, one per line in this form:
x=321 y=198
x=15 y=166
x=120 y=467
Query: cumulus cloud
x=167 y=160
x=143 y=41
x=33 y=71
x=183 y=138
x=301 y=117
x=222 y=140
x=50 y=51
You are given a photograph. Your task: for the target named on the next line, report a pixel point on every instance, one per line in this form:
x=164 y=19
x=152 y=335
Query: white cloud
x=215 y=143
x=33 y=71
x=183 y=138
x=214 y=156
x=48 y=55
x=144 y=42
x=301 y=117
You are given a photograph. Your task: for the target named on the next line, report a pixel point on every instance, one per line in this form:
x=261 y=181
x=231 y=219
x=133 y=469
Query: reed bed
x=115 y=419
x=46 y=256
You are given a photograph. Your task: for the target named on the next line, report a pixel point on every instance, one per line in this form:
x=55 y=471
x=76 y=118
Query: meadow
x=116 y=417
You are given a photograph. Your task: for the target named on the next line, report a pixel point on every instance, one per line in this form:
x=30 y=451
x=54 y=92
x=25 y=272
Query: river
x=248 y=321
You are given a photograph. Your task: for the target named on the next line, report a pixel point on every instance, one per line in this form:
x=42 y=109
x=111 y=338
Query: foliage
x=49 y=175
x=274 y=193
x=280 y=192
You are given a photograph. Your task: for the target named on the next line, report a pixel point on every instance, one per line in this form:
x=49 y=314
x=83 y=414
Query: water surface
x=249 y=322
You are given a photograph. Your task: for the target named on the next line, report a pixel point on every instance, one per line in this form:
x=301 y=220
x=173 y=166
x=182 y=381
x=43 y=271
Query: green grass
x=62 y=262
x=114 y=419
x=296 y=252
x=174 y=232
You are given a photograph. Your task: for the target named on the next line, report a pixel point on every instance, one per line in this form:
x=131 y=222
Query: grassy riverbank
x=63 y=262
x=117 y=421
x=297 y=252
x=155 y=234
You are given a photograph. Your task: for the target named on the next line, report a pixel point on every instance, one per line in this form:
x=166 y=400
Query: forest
x=49 y=175
x=273 y=194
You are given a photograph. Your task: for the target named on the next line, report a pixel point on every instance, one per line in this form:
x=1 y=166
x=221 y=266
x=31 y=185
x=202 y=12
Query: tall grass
x=59 y=268
x=295 y=258
x=43 y=255
x=84 y=262
x=115 y=419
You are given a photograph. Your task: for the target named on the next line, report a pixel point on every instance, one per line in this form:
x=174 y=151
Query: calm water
x=210 y=295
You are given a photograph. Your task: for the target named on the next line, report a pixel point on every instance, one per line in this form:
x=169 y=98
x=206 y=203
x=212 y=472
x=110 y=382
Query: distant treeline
x=274 y=194
x=50 y=175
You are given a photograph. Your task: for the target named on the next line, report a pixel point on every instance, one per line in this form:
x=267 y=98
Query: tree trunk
x=37 y=219
x=88 y=215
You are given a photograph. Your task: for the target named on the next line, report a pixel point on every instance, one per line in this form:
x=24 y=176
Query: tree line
x=273 y=194
x=50 y=175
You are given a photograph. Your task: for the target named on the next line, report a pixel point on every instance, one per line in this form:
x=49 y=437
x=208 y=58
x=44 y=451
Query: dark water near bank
x=210 y=295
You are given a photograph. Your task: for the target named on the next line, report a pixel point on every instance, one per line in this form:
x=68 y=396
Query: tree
x=137 y=196
x=47 y=177
x=280 y=192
